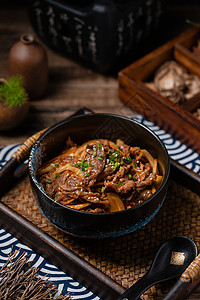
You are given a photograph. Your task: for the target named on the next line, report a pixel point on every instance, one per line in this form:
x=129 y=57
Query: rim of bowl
x=53 y=127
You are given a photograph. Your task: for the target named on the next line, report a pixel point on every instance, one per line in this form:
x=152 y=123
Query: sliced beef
x=147 y=182
x=95 y=157
x=94 y=170
x=93 y=197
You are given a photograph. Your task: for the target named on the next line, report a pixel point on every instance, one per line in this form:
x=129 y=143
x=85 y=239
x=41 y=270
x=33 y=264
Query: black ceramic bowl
x=81 y=129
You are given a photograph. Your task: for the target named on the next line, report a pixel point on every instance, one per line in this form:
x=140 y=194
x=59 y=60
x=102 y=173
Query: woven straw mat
x=124 y=259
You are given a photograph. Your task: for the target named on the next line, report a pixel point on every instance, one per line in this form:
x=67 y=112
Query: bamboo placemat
x=124 y=259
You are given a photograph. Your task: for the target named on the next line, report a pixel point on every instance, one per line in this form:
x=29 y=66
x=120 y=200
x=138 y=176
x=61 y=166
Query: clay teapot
x=12 y=112
x=28 y=58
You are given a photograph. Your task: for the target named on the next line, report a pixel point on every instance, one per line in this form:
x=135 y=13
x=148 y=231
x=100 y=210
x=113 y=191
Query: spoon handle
x=134 y=292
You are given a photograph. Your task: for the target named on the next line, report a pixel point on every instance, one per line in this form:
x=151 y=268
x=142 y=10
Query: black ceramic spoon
x=170 y=261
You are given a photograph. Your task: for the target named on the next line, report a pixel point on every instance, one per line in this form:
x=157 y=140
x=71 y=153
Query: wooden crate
x=174 y=119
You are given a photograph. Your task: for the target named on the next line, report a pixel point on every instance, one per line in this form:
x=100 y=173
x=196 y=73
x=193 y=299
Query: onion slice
x=115 y=202
x=148 y=156
x=46 y=167
x=68 y=167
x=155 y=166
x=79 y=206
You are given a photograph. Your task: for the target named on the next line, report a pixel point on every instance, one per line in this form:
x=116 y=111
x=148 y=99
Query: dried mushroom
x=169 y=81
x=196 y=114
x=193 y=86
x=173 y=82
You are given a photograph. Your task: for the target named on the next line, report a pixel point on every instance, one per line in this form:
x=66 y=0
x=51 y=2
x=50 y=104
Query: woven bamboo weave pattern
x=192 y=272
x=24 y=150
x=124 y=259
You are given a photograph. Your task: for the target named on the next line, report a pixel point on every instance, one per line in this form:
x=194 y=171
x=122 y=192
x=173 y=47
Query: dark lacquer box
x=96 y=33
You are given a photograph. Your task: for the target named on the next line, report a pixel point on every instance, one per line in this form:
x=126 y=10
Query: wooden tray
x=176 y=120
x=105 y=267
x=21 y=217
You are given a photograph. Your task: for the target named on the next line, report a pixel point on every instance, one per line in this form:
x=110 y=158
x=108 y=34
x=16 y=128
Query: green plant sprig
x=12 y=91
x=195 y=24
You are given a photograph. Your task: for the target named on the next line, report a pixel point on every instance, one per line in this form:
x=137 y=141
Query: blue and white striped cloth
x=65 y=284
x=175 y=148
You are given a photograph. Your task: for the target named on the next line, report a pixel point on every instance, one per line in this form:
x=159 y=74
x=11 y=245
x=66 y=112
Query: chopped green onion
x=116 y=164
x=48 y=181
x=128 y=159
x=83 y=165
x=54 y=165
x=102 y=189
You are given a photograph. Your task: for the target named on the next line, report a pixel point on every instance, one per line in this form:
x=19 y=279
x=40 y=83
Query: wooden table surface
x=72 y=86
